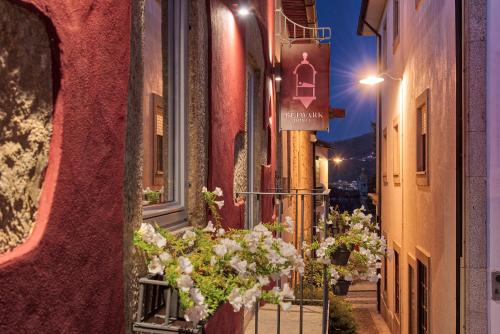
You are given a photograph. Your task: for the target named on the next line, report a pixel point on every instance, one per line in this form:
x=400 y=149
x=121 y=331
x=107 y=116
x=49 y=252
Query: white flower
x=196 y=296
x=190 y=237
x=196 y=314
x=204 y=189
x=348 y=277
x=285 y=305
x=149 y=234
x=235 y=299
x=286 y=292
x=165 y=257
x=218 y=192
x=155 y=266
x=185 y=265
x=213 y=261
x=209 y=228
x=220 y=250
x=184 y=282
x=250 y=296
x=220 y=204
x=287 y=250
x=239 y=265
x=232 y=246
x=263 y=280
x=221 y=232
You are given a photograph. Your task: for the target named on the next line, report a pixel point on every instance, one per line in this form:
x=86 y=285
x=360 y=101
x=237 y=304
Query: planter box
x=341 y=256
x=159 y=309
x=341 y=288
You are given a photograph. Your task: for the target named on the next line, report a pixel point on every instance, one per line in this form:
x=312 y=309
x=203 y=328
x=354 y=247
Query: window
x=422 y=133
x=423 y=288
x=411 y=295
x=397 y=286
x=384 y=45
x=396 y=149
x=164 y=77
x=384 y=155
x=396 y=24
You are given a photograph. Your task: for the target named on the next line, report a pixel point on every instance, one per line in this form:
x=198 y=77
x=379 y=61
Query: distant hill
x=358 y=153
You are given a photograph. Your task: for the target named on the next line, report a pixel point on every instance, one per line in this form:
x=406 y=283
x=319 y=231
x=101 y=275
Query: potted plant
x=211 y=266
x=353 y=254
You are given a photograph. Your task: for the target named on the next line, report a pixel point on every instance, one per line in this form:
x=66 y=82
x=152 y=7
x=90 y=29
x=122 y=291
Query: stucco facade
x=448 y=222
x=79 y=265
x=418 y=214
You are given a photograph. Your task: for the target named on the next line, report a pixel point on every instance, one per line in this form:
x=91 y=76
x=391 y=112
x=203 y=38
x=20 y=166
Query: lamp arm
x=390 y=76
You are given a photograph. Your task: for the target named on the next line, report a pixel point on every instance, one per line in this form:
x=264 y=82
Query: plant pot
x=341 y=288
x=341 y=256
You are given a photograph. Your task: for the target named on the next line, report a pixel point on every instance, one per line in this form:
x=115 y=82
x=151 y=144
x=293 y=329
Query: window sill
x=170 y=216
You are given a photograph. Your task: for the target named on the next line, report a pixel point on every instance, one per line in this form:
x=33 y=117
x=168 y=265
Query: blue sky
x=351 y=57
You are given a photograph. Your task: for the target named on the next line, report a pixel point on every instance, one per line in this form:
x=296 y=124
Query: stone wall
x=26 y=102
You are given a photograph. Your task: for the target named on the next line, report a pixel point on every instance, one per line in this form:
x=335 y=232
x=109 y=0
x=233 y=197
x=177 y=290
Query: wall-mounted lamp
x=376 y=79
x=277 y=73
x=241 y=9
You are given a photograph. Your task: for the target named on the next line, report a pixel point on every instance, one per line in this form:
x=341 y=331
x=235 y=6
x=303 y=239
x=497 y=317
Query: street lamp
x=337 y=160
x=376 y=79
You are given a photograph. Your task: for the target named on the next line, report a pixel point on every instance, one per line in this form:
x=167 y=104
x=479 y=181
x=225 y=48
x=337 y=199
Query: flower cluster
x=358 y=235
x=210 y=266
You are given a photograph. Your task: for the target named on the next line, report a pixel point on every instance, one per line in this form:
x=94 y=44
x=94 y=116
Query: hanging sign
x=305 y=87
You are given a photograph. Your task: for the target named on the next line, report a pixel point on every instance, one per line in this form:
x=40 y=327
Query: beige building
x=431 y=162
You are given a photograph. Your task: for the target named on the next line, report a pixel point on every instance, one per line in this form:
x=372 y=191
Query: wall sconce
x=277 y=73
x=242 y=9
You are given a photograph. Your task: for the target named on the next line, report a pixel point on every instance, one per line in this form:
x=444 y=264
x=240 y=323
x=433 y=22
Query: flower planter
x=341 y=288
x=159 y=309
x=341 y=256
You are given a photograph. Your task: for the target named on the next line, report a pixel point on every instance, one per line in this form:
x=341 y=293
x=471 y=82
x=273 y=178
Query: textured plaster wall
x=415 y=216
x=26 y=104
x=133 y=262
x=493 y=119
x=67 y=276
x=475 y=168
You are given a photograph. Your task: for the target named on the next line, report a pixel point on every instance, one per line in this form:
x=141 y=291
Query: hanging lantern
x=305 y=81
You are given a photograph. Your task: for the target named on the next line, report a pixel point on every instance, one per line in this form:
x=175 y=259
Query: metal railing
x=297 y=199
x=289 y=32
x=159 y=310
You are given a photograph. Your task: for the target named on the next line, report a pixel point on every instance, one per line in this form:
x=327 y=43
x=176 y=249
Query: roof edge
x=362 y=16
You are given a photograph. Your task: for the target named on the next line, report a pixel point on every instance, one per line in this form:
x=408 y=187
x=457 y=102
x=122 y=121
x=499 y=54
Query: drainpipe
x=459 y=163
x=379 y=139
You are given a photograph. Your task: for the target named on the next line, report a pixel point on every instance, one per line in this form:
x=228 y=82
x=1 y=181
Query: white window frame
x=396 y=151
x=423 y=100
x=174 y=213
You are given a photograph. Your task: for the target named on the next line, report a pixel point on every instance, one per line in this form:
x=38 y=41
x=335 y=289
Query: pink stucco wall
x=67 y=278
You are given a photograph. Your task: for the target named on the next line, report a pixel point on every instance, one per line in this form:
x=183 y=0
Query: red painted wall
x=227 y=118
x=67 y=278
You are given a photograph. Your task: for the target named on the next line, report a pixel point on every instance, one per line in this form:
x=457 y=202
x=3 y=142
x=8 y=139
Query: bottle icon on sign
x=305 y=82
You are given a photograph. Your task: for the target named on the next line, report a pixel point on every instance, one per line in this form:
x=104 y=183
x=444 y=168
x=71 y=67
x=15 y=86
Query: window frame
x=396 y=151
x=396 y=24
x=174 y=213
x=397 y=281
x=422 y=100
x=423 y=259
x=412 y=294
x=384 y=155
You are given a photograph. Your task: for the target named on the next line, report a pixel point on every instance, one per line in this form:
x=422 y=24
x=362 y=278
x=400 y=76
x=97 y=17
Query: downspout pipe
x=379 y=139
x=459 y=161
